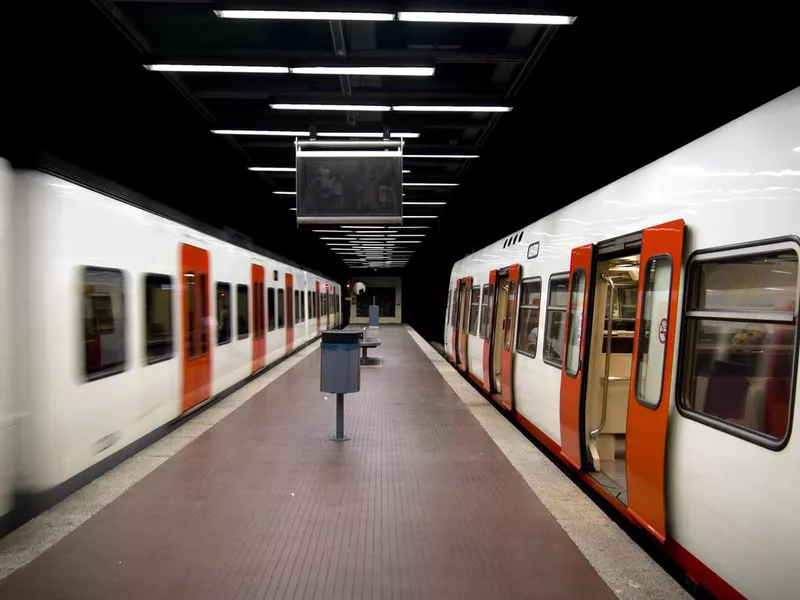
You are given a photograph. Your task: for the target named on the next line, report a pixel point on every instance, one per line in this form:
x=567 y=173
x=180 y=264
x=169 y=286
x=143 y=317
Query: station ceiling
x=441 y=80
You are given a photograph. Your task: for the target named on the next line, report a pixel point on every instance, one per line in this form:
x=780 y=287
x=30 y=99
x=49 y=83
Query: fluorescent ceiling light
x=426 y=203
x=285 y=193
x=486 y=18
x=326 y=231
x=415 y=227
x=350 y=107
x=363 y=227
x=334 y=134
x=406 y=171
x=483 y=109
x=304 y=15
x=410 y=235
x=420 y=217
x=260 y=69
x=375 y=71
x=392 y=231
x=454 y=156
x=273 y=169
x=292 y=209
x=406 y=183
x=348 y=154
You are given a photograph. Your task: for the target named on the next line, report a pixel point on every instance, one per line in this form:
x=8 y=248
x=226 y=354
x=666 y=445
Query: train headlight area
x=580 y=249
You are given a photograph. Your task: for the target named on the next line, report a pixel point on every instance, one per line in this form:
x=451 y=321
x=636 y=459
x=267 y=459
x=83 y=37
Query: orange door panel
x=259 y=335
x=507 y=361
x=464 y=301
x=487 y=342
x=195 y=326
x=289 y=313
x=572 y=371
x=648 y=399
x=316 y=305
x=456 y=320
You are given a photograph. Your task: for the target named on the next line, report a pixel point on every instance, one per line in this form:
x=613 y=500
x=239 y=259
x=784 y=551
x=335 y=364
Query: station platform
x=435 y=496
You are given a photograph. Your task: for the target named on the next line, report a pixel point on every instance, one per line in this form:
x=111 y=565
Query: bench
x=366 y=344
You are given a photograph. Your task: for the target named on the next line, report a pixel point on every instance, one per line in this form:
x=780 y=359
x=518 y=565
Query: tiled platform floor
x=420 y=503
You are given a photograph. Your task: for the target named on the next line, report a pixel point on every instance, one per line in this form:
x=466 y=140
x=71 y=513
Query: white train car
x=647 y=335
x=124 y=321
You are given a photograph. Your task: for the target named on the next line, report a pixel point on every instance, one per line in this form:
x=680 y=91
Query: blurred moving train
x=647 y=336
x=116 y=320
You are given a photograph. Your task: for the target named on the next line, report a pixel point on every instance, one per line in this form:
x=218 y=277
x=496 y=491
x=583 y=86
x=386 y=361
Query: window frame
x=509 y=339
x=230 y=312
x=519 y=314
x=483 y=323
x=246 y=334
x=164 y=357
x=640 y=342
x=723 y=252
x=561 y=275
x=123 y=365
x=478 y=312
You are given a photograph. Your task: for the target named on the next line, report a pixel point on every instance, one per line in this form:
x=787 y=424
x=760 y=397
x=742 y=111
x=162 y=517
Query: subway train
x=646 y=335
x=118 y=318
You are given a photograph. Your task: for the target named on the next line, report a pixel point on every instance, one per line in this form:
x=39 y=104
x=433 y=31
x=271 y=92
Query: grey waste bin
x=374 y=315
x=340 y=371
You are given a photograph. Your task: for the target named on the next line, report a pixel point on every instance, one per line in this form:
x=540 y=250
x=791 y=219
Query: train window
x=573 y=358
x=447 y=309
x=271 y=308
x=158 y=318
x=223 y=313
x=738 y=354
x=281 y=309
x=296 y=306
x=484 y=311
x=530 y=306
x=242 y=312
x=103 y=322
x=510 y=306
x=259 y=310
x=454 y=310
x=474 y=310
x=554 y=321
x=310 y=305
x=653 y=330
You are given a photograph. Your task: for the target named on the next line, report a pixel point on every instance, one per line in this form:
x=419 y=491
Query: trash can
x=340 y=370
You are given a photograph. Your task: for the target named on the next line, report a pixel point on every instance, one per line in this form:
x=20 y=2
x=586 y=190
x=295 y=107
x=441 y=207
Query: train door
x=454 y=320
x=648 y=402
x=327 y=301
x=316 y=305
x=196 y=326
x=488 y=335
x=463 y=323
x=259 y=334
x=502 y=362
x=289 y=313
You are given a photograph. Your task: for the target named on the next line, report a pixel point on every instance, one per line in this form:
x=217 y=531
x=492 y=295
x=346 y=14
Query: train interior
x=610 y=361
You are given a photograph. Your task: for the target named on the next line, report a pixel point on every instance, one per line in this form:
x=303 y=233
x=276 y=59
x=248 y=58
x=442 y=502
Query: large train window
x=474 y=309
x=281 y=308
x=223 y=313
x=271 y=308
x=576 y=315
x=530 y=306
x=242 y=312
x=739 y=342
x=158 y=318
x=554 y=321
x=454 y=309
x=653 y=329
x=484 y=311
x=103 y=322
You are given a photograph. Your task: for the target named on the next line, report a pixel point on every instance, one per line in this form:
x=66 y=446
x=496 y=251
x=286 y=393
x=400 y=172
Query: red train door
x=648 y=398
x=463 y=323
x=196 y=326
x=456 y=319
x=316 y=305
x=259 y=336
x=507 y=375
x=289 y=313
x=572 y=370
x=487 y=340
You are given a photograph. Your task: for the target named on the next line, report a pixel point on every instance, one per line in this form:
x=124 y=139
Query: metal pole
x=340 y=436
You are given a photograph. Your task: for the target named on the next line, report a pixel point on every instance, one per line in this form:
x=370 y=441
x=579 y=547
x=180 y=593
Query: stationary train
x=117 y=320
x=647 y=336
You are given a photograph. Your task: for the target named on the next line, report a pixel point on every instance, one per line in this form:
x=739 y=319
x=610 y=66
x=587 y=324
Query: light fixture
x=326 y=231
x=348 y=154
x=334 y=134
x=304 y=15
x=484 y=18
x=410 y=184
x=257 y=69
x=453 y=156
x=420 y=217
x=415 y=227
x=434 y=108
x=285 y=193
x=293 y=209
x=346 y=107
x=363 y=227
x=406 y=171
x=273 y=169
x=374 y=71
x=426 y=203
x=410 y=235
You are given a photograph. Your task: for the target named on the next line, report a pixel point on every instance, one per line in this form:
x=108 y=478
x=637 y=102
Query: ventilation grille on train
x=514 y=239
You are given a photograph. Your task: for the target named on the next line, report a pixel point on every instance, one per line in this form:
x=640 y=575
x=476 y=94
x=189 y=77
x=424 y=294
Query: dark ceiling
x=591 y=102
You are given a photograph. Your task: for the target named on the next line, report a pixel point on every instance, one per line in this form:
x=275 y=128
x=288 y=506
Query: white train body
x=55 y=419
x=731 y=498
